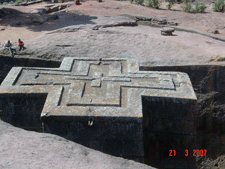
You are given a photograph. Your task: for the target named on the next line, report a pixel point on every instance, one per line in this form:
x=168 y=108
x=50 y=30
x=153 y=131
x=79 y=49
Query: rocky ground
x=113 y=36
x=22 y=149
x=93 y=29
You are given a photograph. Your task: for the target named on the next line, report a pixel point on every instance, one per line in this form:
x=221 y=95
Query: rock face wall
x=204 y=78
x=23 y=110
x=112 y=135
x=169 y=130
x=208 y=82
x=107 y=104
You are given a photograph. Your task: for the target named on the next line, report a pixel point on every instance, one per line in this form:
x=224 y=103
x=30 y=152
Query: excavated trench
x=209 y=85
x=208 y=82
x=27 y=109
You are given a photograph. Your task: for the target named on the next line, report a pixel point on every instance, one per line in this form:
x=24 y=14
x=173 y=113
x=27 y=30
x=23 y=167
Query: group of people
x=8 y=45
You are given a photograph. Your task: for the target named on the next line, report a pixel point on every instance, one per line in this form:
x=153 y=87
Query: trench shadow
x=45 y=22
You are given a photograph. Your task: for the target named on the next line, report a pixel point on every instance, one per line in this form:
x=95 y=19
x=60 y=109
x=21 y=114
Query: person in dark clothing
x=77 y=2
x=8 y=45
x=21 y=44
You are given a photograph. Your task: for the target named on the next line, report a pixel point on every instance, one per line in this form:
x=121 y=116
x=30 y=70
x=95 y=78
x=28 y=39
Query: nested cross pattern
x=96 y=87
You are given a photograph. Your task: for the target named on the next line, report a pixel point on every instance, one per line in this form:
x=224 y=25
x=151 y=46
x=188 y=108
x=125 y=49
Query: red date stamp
x=194 y=153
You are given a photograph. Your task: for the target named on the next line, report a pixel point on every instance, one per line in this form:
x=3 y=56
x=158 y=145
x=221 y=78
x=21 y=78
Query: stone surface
x=36 y=20
x=25 y=149
x=2 y=28
x=162 y=21
x=23 y=4
x=81 y=82
x=52 y=17
x=40 y=10
x=167 y=31
x=124 y=42
x=54 y=8
x=30 y=3
x=48 y=5
x=153 y=21
x=106 y=93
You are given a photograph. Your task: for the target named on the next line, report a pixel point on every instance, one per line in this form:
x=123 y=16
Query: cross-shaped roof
x=97 y=87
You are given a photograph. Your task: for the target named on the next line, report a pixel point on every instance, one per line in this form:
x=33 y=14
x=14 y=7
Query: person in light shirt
x=8 y=45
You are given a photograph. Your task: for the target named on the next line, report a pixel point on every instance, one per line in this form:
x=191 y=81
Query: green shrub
x=139 y=2
x=187 y=7
x=199 y=7
x=153 y=3
x=5 y=3
x=131 y=1
x=18 y=1
x=219 y=6
x=171 y=3
x=11 y=2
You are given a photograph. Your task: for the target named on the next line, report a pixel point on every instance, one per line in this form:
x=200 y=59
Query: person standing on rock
x=21 y=44
x=8 y=45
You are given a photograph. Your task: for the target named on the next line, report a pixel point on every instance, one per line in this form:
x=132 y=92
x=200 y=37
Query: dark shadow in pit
x=117 y=136
x=23 y=110
x=6 y=63
x=44 y=22
x=209 y=85
x=172 y=35
x=165 y=132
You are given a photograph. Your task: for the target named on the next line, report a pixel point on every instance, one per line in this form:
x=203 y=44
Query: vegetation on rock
x=18 y=1
x=219 y=6
x=153 y=3
x=187 y=7
x=199 y=7
x=137 y=1
x=171 y=3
